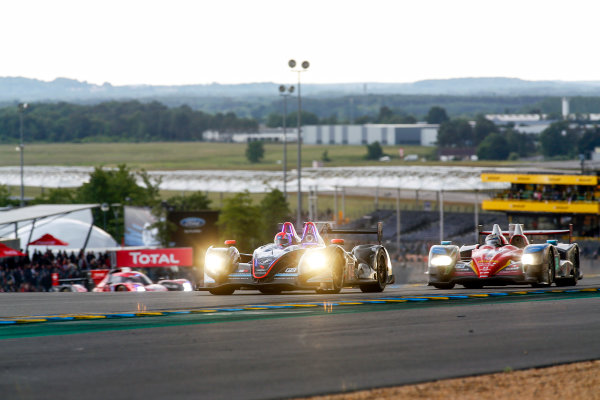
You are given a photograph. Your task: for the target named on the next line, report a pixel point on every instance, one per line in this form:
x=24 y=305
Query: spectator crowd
x=25 y=274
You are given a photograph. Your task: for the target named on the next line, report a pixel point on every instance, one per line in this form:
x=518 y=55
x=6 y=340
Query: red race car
x=127 y=280
x=506 y=258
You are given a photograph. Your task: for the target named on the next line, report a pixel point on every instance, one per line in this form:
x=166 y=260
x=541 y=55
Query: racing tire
x=572 y=280
x=121 y=288
x=222 y=291
x=443 y=285
x=337 y=278
x=65 y=289
x=547 y=274
x=269 y=290
x=574 y=258
x=382 y=275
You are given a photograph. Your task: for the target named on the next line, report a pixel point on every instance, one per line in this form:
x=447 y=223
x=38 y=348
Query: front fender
x=230 y=257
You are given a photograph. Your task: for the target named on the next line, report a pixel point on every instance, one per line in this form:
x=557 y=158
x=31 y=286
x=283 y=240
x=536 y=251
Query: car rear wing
x=328 y=230
x=537 y=232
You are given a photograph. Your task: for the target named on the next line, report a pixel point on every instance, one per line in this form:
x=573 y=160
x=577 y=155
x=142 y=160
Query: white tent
x=68 y=230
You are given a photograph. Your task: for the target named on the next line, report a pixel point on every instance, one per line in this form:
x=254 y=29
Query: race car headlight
x=140 y=289
x=441 y=261
x=187 y=287
x=315 y=261
x=530 y=259
x=214 y=263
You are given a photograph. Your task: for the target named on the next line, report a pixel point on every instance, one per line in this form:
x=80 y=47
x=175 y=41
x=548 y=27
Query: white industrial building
x=386 y=134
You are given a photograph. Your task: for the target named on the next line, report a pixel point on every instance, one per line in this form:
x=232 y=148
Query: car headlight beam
x=214 y=263
x=441 y=261
x=530 y=259
x=315 y=261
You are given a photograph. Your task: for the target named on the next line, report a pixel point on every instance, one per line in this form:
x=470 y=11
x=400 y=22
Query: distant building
x=419 y=134
x=264 y=134
x=524 y=123
x=501 y=119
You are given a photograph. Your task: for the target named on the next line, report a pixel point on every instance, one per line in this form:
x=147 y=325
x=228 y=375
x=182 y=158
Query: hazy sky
x=236 y=41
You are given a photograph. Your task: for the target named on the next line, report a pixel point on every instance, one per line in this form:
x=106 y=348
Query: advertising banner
x=197 y=229
x=138 y=227
x=182 y=257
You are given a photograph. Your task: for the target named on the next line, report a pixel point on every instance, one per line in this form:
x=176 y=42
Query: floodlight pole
x=441 y=205
x=398 y=220
x=304 y=65
x=282 y=90
x=476 y=210
x=22 y=108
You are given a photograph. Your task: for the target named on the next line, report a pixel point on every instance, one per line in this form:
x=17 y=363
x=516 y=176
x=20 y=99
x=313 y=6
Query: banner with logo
x=197 y=229
x=182 y=257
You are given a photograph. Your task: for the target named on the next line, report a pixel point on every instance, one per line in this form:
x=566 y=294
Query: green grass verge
x=199 y=155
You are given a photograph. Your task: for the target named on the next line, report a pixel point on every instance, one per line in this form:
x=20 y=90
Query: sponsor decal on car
x=290 y=270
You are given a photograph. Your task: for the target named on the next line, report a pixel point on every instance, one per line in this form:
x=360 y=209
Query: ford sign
x=192 y=222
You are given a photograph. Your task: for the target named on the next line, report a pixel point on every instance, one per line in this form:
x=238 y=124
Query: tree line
x=562 y=139
x=130 y=121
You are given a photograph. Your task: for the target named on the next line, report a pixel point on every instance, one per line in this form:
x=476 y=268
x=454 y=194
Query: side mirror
x=230 y=243
x=337 y=241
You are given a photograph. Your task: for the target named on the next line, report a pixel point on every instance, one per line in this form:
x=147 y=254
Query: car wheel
x=381 y=265
x=222 y=291
x=574 y=258
x=337 y=277
x=443 y=285
x=572 y=280
x=269 y=290
x=547 y=274
x=65 y=289
x=121 y=288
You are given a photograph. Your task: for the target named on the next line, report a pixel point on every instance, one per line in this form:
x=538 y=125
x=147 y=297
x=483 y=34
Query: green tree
x=374 y=151
x=436 y=115
x=308 y=118
x=455 y=133
x=192 y=202
x=275 y=120
x=494 y=147
x=255 y=151
x=5 y=197
x=275 y=210
x=483 y=127
x=521 y=143
x=589 y=141
x=241 y=220
x=115 y=187
x=57 y=196
x=558 y=140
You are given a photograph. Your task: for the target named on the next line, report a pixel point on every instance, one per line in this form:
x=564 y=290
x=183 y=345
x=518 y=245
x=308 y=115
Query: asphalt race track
x=251 y=346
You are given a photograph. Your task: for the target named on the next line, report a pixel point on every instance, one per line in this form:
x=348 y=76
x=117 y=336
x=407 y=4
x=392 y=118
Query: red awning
x=6 y=251
x=48 y=240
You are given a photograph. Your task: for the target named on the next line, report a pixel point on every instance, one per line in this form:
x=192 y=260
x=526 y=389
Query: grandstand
x=548 y=201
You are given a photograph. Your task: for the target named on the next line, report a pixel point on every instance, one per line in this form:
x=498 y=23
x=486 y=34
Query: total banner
x=182 y=257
